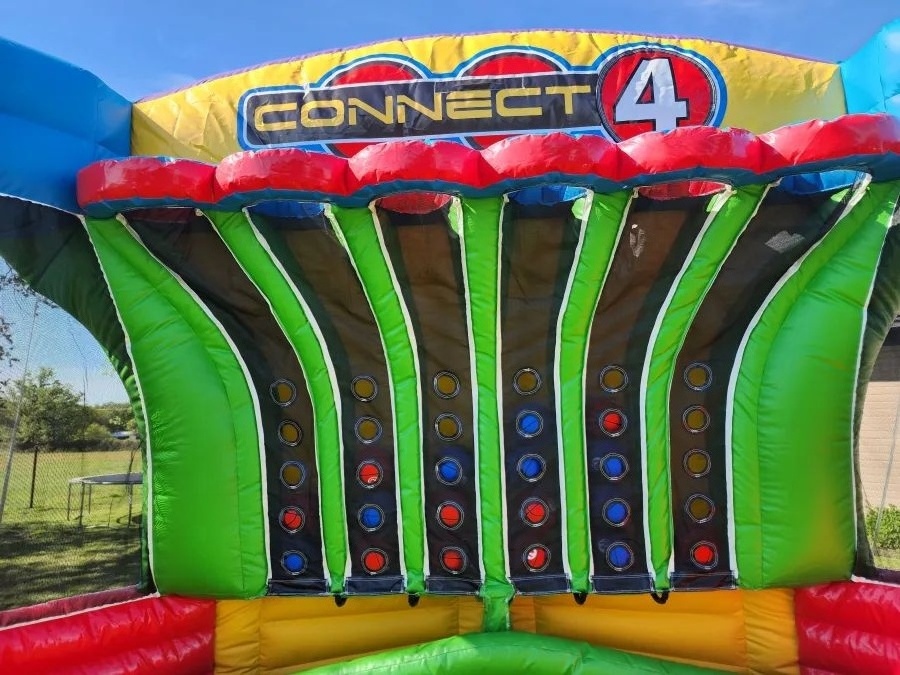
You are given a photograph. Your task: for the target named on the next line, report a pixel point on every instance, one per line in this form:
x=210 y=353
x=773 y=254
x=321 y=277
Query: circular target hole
x=613 y=379
x=283 y=392
x=369 y=474
x=527 y=381
x=290 y=433
x=446 y=384
x=293 y=474
x=368 y=429
x=364 y=388
x=696 y=463
x=453 y=559
x=695 y=419
x=700 y=508
x=698 y=376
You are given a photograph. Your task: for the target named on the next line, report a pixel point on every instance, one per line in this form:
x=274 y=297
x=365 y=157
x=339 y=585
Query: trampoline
x=87 y=483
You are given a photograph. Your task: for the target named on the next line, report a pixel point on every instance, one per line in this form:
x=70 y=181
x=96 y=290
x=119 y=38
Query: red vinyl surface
x=685 y=154
x=46 y=610
x=846 y=628
x=152 y=635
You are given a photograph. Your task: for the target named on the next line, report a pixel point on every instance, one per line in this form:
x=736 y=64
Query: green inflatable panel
x=729 y=215
x=501 y=653
x=477 y=222
x=360 y=232
x=602 y=219
x=259 y=263
x=792 y=405
x=206 y=533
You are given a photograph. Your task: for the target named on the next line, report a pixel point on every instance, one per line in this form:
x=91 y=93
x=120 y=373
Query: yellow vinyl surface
x=764 y=90
x=277 y=635
x=740 y=631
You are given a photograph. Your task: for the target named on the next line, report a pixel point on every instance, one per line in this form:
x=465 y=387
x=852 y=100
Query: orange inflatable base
x=740 y=631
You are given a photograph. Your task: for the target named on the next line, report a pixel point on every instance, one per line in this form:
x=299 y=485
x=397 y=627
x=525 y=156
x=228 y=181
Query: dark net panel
x=71 y=476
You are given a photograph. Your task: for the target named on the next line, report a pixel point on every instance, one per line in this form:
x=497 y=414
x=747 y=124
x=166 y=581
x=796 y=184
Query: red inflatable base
x=150 y=635
x=849 y=628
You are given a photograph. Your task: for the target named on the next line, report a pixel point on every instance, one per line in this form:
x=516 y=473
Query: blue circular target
x=616 y=512
x=371 y=517
x=619 y=556
x=529 y=423
x=293 y=562
x=448 y=471
x=614 y=466
x=531 y=467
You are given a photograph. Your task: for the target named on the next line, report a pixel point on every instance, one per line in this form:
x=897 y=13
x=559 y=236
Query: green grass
x=45 y=555
x=887 y=559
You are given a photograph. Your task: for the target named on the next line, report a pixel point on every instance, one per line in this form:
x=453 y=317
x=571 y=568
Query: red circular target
x=656 y=88
x=453 y=560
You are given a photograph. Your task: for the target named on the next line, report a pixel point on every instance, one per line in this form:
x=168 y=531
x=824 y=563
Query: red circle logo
x=501 y=64
x=656 y=88
x=370 y=72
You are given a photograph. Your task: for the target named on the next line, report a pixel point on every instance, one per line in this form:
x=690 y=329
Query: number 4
x=650 y=96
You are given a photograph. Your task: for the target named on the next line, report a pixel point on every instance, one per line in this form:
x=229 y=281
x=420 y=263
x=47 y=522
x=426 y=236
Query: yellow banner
x=479 y=89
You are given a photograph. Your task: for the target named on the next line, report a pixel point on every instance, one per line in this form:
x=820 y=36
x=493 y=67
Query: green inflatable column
x=791 y=406
x=360 y=233
x=296 y=320
x=478 y=224
x=206 y=529
x=729 y=214
x=602 y=220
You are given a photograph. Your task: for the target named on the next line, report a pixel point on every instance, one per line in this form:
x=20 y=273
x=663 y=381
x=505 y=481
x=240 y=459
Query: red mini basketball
x=369 y=474
x=453 y=560
x=613 y=422
x=450 y=515
x=537 y=558
x=534 y=512
x=292 y=519
x=374 y=561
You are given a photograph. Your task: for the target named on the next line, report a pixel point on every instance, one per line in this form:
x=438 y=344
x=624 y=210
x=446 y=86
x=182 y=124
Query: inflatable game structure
x=517 y=352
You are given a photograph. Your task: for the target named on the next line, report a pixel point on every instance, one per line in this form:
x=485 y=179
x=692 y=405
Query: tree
x=10 y=282
x=52 y=414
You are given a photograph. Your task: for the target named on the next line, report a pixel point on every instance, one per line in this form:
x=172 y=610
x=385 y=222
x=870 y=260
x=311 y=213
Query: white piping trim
x=336 y=227
x=738 y=361
x=85 y=610
x=329 y=366
x=148 y=479
x=234 y=350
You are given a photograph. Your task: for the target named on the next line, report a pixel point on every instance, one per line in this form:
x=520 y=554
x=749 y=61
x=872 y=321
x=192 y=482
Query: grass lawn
x=45 y=555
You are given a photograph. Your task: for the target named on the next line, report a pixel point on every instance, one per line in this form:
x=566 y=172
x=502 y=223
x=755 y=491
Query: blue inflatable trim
x=55 y=119
x=872 y=76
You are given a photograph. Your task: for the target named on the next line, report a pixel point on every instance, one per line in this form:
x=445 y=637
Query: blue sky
x=145 y=47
